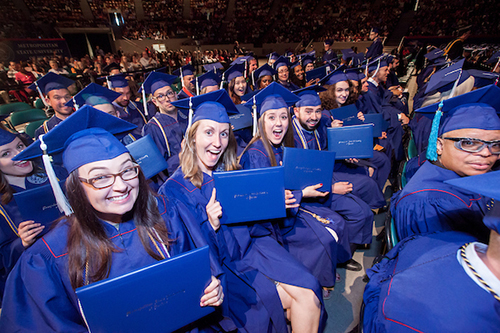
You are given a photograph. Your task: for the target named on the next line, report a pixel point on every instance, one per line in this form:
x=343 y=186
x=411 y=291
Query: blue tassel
x=432 y=145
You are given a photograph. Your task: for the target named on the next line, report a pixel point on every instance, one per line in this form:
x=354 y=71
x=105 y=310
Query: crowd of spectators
x=447 y=18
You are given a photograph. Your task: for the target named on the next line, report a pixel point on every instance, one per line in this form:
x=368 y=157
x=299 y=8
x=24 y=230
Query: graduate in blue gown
x=282 y=67
x=262 y=277
x=16 y=234
x=167 y=126
x=442 y=281
x=312 y=242
x=456 y=149
x=187 y=74
x=376 y=48
x=127 y=109
x=113 y=226
x=53 y=90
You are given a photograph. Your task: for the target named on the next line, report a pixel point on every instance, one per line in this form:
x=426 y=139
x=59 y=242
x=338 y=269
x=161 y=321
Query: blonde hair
x=189 y=159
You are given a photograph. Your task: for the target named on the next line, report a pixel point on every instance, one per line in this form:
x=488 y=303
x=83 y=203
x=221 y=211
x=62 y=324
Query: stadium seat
x=32 y=126
x=39 y=104
x=14 y=107
x=412 y=148
x=26 y=116
x=390 y=232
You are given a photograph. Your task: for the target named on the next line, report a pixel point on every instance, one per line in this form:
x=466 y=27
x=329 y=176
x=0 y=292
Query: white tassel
x=222 y=82
x=62 y=201
x=182 y=78
x=456 y=84
x=378 y=67
x=254 y=111
x=253 y=79
x=190 y=114
x=197 y=87
x=41 y=95
x=108 y=82
x=144 y=101
x=75 y=103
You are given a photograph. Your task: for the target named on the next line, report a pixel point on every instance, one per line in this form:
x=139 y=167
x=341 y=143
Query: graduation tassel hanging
x=245 y=74
x=254 y=114
x=378 y=67
x=431 y=153
x=197 y=87
x=75 y=104
x=40 y=93
x=190 y=113
x=182 y=78
x=222 y=82
x=253 y=79
x=62 y=201
x=144 y=102
x=108 y=83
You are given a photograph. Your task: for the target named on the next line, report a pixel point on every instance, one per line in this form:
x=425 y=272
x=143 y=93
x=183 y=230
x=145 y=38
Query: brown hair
x=235 y=98
x=328 y=100
x=88 y=243
x=261 y=135
x=189 y=159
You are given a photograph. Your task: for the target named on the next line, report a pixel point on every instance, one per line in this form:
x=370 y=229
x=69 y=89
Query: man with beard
x=186 y=74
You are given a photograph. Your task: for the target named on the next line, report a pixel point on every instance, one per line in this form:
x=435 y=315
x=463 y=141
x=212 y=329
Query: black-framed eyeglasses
x=161 y=97
x=105 y=181
x=472 y=145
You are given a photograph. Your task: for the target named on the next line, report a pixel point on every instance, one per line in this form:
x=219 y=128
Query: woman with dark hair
x=262 y=278
x=15 y=176
x=310 y=240
x=114 y=227
x=237 y=86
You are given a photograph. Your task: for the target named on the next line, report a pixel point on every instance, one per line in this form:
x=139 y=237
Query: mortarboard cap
x=184 y=70
x=214 y=106
x=355 y=74
x=308 y=59
x=280 y=62
x=347 y=54
x=475 y=109
x=273 y=56
x=110 y=67
x=262 y=71
x=334 y=77
x=234 y=71
x=445 y=76
x=486 y=185
x=213 y=67
x=434 y=55
x=358 y=59
x=483 y=78
x=155 y=81
x=117 y=81
x=241 y=60
x=206 y=80
x=6 y=137
x=50 y=81
x=494 y=58
x=375 y=30
x=92 y=95
x=309 y=96
x=328 y=41
x=377 y=63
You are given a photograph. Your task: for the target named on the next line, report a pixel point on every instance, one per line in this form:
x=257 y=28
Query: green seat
x=403 y=176
x=391 y=235
x=31 y=127
x=14 y=107
x=412 y=148
x=26 y=116
x=39 y=104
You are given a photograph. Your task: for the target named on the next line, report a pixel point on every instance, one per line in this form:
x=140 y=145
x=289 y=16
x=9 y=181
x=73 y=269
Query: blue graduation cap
x=377 y=63
x=110 y=67
x=155 y=81
x=213 y=67
x=262 y=71
x=272 y=56
x=117 y=81
x=295 y=64
x=375 y=30
x=476 y=109
x=328 y=41
x=483 y=78
x=358 y=59
x=308 y=59
x=347 y=54
x=487 y=185
x=281 y=61
x=184 y=70
x=48 y=82
x=435 y=55
x=274 y=96
x=215 y=105
x=309 y=96
x=92 y=95
x=234 y=71
x=241 y=60
x=206 y=80
x=448 y=75
x=494 y=58
x=355 y=74
x=334 y=77
x=6 y=137
x=84 y=137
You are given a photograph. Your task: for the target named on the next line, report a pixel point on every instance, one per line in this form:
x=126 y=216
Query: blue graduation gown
x=305 y=237
x=184 y=93
x=414 y=164
x=375 y=49
x=392 y=79
x=427 y=204
x=250 y=256
x=420 y=286
x=47 y=126
x=167 y=133
x=289 y=85
x=134 y=114
x=329 y=56
x=356 y=213
x=39 y=296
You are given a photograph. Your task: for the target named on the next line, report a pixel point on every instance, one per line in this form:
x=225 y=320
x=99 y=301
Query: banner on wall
x=24 y=49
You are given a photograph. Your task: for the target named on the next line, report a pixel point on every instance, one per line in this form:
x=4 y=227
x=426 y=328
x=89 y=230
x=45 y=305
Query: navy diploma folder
x=348 y=114
x=305 y=167
x=241 y=120
x=379 y=123
x=146 y=154
x=39 y=204
x=162 y=297
x=251 y=195
x=351 y=141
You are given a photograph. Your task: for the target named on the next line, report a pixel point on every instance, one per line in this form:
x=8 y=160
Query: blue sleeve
x=154 y=131
x=37 y=299
x=254 y=159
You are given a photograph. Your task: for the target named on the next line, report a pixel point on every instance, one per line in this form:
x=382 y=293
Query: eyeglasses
x=161 y=97
x=476 y=145
x=283 y=71
x=105 y=181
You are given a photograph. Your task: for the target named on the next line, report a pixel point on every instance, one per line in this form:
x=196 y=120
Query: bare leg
x=303 y=307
